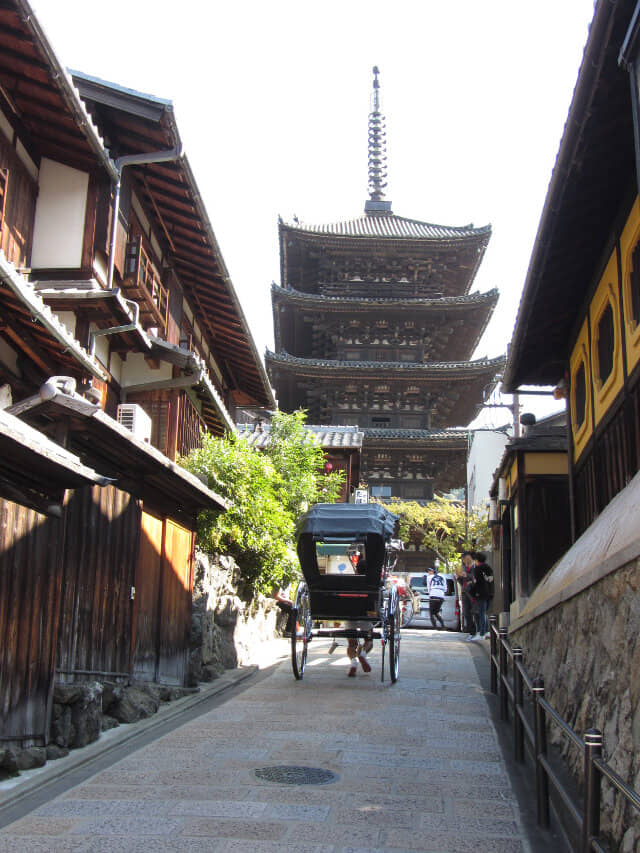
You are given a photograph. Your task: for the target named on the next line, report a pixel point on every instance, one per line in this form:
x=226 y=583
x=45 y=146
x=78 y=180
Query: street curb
x=114 y=738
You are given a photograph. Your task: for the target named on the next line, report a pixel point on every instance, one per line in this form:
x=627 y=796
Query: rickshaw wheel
x=395 y=621
x=300 y=630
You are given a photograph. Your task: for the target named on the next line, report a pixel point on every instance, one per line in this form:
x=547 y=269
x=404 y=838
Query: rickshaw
x=347 y=552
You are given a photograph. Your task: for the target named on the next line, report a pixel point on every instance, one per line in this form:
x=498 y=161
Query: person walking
x=483 y=592
x=466 y=579
x=436 y=586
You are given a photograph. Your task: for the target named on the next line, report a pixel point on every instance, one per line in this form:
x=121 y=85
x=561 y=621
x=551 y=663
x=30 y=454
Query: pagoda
x=374 y=327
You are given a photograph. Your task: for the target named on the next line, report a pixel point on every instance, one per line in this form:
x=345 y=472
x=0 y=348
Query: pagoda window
x=382 y=355
x=352 y=355
x=412 y=389
x=408 y=355
x=380 y=422
x=382 y=457
x=382 y=389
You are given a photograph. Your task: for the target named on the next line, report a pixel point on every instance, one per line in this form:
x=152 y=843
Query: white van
x=451 y=610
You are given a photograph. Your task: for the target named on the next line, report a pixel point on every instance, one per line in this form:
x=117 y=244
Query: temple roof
x=429 y=369
x=390 y=226
x=454 y=438
x=327 y=437
x=441 y=303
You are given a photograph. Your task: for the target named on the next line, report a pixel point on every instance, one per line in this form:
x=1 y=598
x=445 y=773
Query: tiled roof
x=429 y=367
x=459 y=436
x=335 y=437
x=440 y=302
x=389 y=225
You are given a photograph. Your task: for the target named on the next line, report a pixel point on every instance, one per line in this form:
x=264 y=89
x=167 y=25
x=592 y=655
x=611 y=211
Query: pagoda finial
x=377 y=153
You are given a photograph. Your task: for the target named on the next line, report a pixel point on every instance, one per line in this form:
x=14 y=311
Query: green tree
x=443 y=526
x=268 y=491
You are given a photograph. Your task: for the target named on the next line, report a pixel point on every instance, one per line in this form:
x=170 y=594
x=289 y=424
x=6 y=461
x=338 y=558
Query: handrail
x=510 y=690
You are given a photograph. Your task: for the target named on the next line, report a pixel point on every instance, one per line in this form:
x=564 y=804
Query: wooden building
x=375 y=326
x=578 y=328
x=121 y=337
x=529 y=511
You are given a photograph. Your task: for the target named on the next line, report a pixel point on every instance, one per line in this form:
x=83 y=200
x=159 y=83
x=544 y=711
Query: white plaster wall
x=115 y=367
x=68 y=320
x=485 y=454
x=60 y=214
x=136 y=370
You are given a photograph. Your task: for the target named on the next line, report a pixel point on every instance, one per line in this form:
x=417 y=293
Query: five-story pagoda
x=375 y=327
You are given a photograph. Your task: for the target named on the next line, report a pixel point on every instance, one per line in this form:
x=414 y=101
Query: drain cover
x=288 y=774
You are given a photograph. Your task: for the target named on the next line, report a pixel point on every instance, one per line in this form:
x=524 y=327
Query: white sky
x=272 y=99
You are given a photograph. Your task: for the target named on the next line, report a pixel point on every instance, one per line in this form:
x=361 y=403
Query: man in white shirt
x=437 y=586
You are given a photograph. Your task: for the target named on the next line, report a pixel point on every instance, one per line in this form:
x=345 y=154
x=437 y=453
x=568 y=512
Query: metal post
x=542 y=783
x=518 y=728
x=504 y=696
x=592 y=776
x=493 y=622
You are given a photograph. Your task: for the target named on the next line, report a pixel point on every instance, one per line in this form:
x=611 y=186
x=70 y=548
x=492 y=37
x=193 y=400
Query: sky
x=272 y=100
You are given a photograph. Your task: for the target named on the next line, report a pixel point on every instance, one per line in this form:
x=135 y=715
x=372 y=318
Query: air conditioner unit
x=134 y=418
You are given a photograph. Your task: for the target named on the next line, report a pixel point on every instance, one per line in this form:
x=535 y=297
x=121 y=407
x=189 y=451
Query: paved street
x=416 y=766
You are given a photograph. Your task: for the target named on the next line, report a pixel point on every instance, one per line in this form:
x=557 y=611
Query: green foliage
x=268 y=492
x=442 y=526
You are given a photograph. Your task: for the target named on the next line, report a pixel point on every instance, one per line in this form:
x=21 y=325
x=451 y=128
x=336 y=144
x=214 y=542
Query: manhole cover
x=292 y=775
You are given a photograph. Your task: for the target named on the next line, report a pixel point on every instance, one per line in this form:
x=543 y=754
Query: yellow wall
x=581 y=354
x=628 y=240
x=546 y=463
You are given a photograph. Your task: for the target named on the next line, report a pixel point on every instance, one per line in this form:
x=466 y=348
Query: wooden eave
x=35 y=471
x=115 y=453
x=37 y=93
x=171 y=198
x=592 y=185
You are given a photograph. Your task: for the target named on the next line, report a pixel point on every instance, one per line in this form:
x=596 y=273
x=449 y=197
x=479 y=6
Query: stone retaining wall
x=587 y=649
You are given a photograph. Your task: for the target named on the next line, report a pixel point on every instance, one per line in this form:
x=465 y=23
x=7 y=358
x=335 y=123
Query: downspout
x=132 y=160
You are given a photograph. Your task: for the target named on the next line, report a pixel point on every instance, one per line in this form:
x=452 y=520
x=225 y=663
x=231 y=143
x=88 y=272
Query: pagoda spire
x=377 y=153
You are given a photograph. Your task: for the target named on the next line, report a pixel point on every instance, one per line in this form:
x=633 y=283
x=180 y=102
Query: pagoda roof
x=438 y=369
x=389 y=226
x=374 y=303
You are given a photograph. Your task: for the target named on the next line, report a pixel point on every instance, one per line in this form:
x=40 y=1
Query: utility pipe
x=168 y=155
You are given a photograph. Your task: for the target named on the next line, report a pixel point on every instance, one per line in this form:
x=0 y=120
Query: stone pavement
x=416 y=766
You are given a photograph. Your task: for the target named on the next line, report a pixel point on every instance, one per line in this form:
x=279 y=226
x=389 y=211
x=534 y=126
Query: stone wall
x=587 y=649
x=226 y=630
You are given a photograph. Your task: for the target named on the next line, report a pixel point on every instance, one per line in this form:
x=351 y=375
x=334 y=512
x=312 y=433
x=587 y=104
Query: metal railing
x=509 y=679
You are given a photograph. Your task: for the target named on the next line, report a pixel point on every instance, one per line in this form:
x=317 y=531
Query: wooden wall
x=19 y=207
x=103 y=528
x=30 y=582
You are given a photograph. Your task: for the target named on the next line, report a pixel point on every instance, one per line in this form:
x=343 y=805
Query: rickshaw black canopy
x=356 y=520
